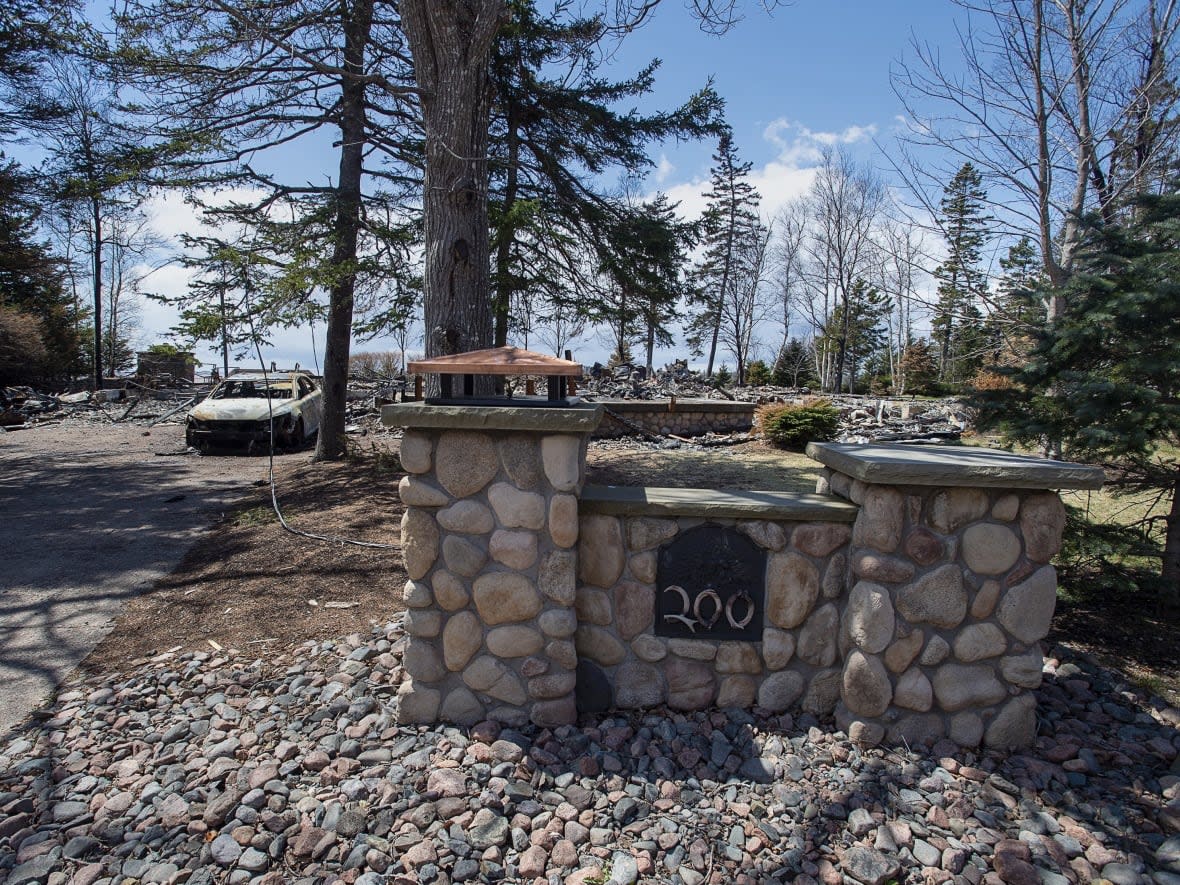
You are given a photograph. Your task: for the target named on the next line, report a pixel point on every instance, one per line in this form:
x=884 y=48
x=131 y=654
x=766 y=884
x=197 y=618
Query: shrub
x=757 y=373
x=724 y=377
x=793 y=425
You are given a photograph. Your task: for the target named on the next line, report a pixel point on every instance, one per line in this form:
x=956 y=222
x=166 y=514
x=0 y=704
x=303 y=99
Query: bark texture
x=451 y=45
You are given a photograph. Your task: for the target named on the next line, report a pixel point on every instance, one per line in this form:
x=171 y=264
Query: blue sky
x=807 y=74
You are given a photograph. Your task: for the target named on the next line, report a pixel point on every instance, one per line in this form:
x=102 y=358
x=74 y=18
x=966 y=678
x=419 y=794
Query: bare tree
x=1055 y=109
x=902 y=251
x=786 y=260
x=743 y=304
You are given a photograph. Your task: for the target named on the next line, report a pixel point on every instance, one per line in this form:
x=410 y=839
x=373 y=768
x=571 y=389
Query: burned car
x=241 y=408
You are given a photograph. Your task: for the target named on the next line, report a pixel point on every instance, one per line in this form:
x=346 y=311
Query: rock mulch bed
x=220 y=768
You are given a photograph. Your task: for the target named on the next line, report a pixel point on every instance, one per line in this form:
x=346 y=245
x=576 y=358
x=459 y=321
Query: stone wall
x=489 y=533
x=951 y=591
x=622 y=663
x=684 y=417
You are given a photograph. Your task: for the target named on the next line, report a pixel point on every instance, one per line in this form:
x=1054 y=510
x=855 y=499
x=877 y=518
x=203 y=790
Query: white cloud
x=663 y=169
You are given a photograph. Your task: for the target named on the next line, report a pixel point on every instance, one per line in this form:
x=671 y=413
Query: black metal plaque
x=710 y=585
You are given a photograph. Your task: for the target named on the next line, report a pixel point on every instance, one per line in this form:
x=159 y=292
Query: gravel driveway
x=93 y=514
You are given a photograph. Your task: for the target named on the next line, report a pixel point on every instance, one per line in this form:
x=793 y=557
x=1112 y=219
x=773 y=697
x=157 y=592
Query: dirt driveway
x=93 y=514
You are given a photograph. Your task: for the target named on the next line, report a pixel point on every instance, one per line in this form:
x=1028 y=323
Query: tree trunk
x=1170 y=570
x=451 y=41
x=331 y=444
x=96 y=270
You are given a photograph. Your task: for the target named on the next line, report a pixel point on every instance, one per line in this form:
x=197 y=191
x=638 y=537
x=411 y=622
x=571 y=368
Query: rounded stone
x=966 y=729
x=866 y=734
x=462 y=556
x=967 y=686
x=465 y=462
x=556 y=577
x=990 y=549
x=555 y=685
x=913 y=691
x=491 y=677
x=952 y=508
x=422 y=661
x=563 y=520
x=468 y=517
x=1015 y=726
x=600 y=550
x=515 y=549
x=643 y=567
x=593 y=606
x=449 y=590
x=1042 y=520
x=560 y=455
x=416 y=595
x=417 y=705
x=820 y=539
x=736 y=692
x=563 y=653
x=555 y=713
x=924 y=547
x=417 y=492
x=937 y=598
x=823 y=693
x=779 y=691
x=1027 y=609
x=521 y=460
x=916 y=730
x=517 y=509
x=638 y=685
x=462 y=638
x=423 y=622
x=505 y=597
x=902 y=652
x=835 y=576
x=985 y=600
x=738 y=657
x=817 y=640
x=768 y=535
x=935 y=653
x=693 y=649
x=634 y=608
x=1025 y=670
x=866 y=687
x=778 y=647
x=414 y=452
x=690 y=684
x=558 y=623
x=462 y=707
x=649 y=648
x=644 y=533
x=419 y=539
x=976 y=642
x=514 y=641
x=792 y=586
x=599 y=645
x=880 y=521
x=878 y=567
x=869 y=617
x=1006 y=508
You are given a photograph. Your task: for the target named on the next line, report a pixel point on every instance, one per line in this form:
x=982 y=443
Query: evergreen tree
x=1104 y=379
x=729 y=229
x=956 y=321
x=1019 y=310
x=31 y=283
x=555 y=133
x=795 y=365
x=919 y=369
x=860 y=323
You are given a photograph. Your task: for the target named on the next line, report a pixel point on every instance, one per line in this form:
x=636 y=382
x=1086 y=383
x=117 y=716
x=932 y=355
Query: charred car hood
x=240 y=410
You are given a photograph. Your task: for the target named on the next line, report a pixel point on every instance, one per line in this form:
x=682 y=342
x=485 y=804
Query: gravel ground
x=217 y=767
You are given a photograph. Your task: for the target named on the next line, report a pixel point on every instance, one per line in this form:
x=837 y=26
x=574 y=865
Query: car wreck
x=252 y=408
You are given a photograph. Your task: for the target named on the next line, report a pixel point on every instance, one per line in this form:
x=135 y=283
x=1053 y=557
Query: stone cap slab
x=681 y=405
x=721 y=504
x=917 y=465
x=581 y=418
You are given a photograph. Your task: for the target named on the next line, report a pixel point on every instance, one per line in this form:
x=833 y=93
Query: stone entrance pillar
x=489 y=536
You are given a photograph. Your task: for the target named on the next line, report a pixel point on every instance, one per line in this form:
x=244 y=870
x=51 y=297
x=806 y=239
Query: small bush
x=792 y=426
x=724 y=377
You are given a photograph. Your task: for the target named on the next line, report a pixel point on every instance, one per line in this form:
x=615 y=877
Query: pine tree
x=729 y=228
x=555 y=134
x=795 y=365
x=1018 y=308
x=956 y=320
x=1104 y=379
x=860 y=323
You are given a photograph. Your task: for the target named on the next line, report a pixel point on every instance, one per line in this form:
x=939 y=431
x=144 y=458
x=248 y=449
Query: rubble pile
x=22 y=407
